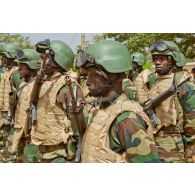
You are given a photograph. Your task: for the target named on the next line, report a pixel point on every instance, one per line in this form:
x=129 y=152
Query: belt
x=48 y=148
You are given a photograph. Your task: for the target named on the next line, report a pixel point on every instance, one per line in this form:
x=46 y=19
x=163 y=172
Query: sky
x=72 y=39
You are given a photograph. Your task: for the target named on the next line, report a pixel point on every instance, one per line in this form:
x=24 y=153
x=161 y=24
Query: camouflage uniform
x=143 y=82
x=9 y=82
x=55 y=129
x=55 y=144
x=118 y=130
x=26 y=151
x=176 y=114
x=143 y=79
x=130 y=90
x=119 y=133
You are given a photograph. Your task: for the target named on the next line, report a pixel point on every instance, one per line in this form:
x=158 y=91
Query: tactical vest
x=50 y=126
x=168 y=111
x=95 y=146
x=140 y=82
x=21 y=112
x=5 y=88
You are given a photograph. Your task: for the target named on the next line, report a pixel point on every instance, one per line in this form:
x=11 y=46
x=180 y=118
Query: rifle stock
x=78 y=116
x=150 y=105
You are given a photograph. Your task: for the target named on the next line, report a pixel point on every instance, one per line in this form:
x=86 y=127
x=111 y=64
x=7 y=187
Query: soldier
x=28 y=67
x=10 y=82
x=118 y=131
x=176 y=115
x=55 y=126
x=142 y=78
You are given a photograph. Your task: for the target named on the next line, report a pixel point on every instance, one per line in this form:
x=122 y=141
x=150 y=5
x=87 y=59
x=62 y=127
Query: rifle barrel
x=168 y=93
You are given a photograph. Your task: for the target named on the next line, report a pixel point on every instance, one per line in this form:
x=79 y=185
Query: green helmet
x=139 y=58
x=9 y=49
x=29 y=57
x=168 y=48
x=113 y=56
x=182 y=59
x=63 y=54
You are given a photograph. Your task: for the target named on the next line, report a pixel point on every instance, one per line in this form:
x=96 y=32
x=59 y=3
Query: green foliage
x=9 y=38
x=140 y=42
x=148 y=65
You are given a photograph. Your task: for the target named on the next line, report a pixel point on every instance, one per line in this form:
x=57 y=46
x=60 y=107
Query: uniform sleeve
x=16 y=79
x=1 y=73
x=187 y=99
x=130 y=90
x=63 y=102
x=152 y=78
x=128 y=134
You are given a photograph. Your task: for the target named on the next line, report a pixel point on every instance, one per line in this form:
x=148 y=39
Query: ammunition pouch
x=47 y=148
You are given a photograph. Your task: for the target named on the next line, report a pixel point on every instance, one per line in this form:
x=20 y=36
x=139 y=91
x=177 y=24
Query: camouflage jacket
x=127 y=134
x=130 y=89
x=62 y=101
x=133 y=140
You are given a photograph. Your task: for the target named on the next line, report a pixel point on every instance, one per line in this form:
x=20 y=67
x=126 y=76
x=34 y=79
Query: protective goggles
x=84 y=58
x=161 y=46
x=21 y=56
x=42 y=46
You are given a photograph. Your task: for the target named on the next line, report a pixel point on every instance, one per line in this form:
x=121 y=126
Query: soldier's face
x=24 y=71
x=163 y=64
x=135 y=66
x=48 y=68
x=6 y=61
x=96 y=84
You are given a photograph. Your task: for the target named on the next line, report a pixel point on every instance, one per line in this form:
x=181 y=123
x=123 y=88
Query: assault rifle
x=76 y=114
x=31 y=115
x=150 y=105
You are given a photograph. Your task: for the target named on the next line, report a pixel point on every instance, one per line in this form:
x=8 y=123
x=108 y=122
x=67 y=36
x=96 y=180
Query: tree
x=140 y=42
x=9 y=38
